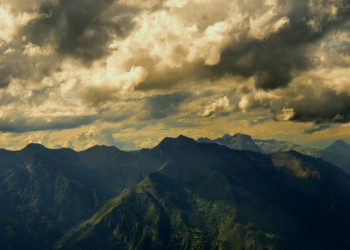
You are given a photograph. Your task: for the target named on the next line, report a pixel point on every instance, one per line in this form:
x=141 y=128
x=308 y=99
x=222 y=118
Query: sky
x=75 y=73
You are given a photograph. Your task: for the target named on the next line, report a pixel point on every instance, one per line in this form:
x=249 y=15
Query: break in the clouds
x=82 y=63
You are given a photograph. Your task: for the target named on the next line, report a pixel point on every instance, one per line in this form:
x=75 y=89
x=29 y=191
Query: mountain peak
x=180 y=140
x=238 y=141
x=237 y=136
x=339 y=146
x=34 y=147
x=101 y=148
x=185 y=138
x=226 y=136
x=243 y=136
x=340 y=143
x=204 y=140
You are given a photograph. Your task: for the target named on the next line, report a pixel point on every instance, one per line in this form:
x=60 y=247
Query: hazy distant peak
x=185 y=138
x=241 y=135
x=237 y=135
x=238 y=141
x=205 y=140
x=226 y=136
x=268 y=140
x=339 y=146
x=340 y=143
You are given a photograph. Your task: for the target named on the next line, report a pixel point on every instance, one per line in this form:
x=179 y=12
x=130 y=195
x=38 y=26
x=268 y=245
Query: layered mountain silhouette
x=180 y=194
x=238 y=141
x=339 y=146
x=338 y=153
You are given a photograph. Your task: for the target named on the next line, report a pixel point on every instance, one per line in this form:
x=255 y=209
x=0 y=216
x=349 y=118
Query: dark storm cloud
x=329 y=106
x=162 y=106
x=168 y=78
x=273 y=59
x=171 y=52
x=25 y=124
x=324 y=107
x=79 y=28
x=97 y=96
x=15 y=64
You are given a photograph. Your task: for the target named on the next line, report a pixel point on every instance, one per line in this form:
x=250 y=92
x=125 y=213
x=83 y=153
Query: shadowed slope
x=207 y=196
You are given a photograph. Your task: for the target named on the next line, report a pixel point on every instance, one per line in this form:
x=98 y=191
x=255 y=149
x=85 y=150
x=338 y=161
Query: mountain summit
x=34 y=147
x=339 y=146
x=238 y=141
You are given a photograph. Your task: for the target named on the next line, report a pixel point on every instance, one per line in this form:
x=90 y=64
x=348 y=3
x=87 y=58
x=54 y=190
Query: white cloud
x=10 y=21
x=285 y=115
x=221 y=105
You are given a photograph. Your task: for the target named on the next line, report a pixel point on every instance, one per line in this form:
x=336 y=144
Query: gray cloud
x=79 y=28
x=170 y=77
x=317 y=127
x=328 y=106
x=83 y=29
x=25 y=124
x=15 y=64
x=272 y=60
x=105 y=137
x=162 y=106
x=324 y=107
x=97 y=96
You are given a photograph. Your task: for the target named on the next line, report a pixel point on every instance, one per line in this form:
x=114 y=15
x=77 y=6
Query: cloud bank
x=70 y=64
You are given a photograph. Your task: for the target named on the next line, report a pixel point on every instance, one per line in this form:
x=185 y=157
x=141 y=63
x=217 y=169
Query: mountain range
x=338 y=153
x=181 y=194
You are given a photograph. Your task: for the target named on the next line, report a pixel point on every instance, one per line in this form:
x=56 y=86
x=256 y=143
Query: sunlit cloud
x=98 y=68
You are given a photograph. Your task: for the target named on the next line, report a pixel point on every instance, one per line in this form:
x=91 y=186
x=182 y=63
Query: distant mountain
x=337 y=154
x=238 y=141
x=206 y=196
x=245 y=142
x=339 y=146
x=273 y=146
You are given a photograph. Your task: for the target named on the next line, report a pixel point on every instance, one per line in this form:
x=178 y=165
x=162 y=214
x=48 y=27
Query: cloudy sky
x=75 y=73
